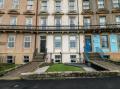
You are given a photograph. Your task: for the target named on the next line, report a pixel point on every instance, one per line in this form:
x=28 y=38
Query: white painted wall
x=66 y=51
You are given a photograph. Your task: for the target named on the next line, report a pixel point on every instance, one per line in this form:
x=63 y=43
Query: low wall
x=64 y=75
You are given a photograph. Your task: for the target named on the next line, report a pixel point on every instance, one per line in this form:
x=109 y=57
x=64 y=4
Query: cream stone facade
x=35 y=12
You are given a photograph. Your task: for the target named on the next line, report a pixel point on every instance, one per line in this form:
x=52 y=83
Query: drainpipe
x=36 y=24
x=78 y=29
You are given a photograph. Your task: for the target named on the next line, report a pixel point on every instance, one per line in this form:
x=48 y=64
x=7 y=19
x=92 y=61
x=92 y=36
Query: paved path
x=108 y=65
x=83 y=83
x=86 y=68
x=41 y=70
x=26 y=68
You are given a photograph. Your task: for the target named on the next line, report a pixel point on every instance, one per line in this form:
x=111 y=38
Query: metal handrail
x=100 y=52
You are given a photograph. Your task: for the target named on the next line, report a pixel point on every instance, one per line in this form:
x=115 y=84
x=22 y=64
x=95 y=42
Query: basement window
x=9 y=59
x=26 y=59
x=73 y=58
x=57 y=58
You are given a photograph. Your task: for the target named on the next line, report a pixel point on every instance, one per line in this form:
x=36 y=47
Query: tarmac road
x=82 y=83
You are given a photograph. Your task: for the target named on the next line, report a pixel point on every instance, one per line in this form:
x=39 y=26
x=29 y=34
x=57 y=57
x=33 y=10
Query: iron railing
x=61 y=28
x=76 y=28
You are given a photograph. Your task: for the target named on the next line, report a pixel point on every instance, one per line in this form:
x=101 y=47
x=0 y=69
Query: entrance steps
x=38 y=57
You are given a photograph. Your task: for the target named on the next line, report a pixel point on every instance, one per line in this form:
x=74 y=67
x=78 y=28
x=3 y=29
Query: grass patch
x=62 y=68
x=4 y=66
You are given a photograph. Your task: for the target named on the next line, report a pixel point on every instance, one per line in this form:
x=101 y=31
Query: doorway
x=88 y=44
x=42 y=44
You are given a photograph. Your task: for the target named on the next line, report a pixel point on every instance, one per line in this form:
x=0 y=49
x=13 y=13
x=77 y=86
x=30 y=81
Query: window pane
x=29 y=4
x=15 y=4
x=71 y=4
x=87 y=22
x=100 y=3
x=13 y=21
x=72 y=41
x=102 y=21
x=105 y=41
x=115 y=3
x=11 y=41
x=57 y=42
x=44 y=5
x=86 y=4
x=27 y=41
x=1 y=3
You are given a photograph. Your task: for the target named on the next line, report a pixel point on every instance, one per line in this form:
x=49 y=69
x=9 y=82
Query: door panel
x=43 y=44
x=88 y=46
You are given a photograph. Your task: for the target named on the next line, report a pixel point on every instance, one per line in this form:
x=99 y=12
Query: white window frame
x=2 y=4
x=118 y=20
x=43 y=22
x=86 y=22
x=57 y=42
x=30 y=4
x=44 y=5
x=101 y=4
x=86 y=5
x=11 y=41
x=72 y=42
x=102 y=21
x=27 y=41
x=57 y=6
x=115 y=3
x=60 y=20
x=13 y=20
x=72 y=21
x=71 y=5
x=15 y=4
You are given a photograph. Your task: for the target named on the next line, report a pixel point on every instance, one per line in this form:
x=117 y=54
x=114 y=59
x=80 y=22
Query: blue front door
x=88 y=46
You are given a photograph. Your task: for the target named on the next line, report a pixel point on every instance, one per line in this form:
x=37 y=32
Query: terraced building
x=58 y=30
